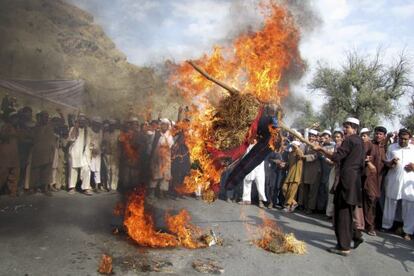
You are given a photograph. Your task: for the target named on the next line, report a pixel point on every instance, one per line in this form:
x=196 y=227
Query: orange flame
x=130 y=151
x=268 y=231
x=140 y=227
x=186 y=232
x=258 y=62
x=105 y=267
x=119 y=209
x=274 y=240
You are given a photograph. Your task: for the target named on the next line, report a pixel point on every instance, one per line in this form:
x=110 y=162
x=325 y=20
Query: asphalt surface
x=67 y=235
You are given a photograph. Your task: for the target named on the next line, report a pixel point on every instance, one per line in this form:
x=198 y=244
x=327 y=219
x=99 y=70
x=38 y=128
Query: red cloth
x=237 y=152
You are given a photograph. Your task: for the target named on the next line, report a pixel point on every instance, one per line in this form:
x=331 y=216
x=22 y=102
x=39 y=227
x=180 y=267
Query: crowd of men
x=373 y=170
x=363 y=180
x=49 y=153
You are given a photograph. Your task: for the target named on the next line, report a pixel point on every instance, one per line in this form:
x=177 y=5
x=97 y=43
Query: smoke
x=305 y=15
x=308 y=20
x=152 y=32
x=149 y=32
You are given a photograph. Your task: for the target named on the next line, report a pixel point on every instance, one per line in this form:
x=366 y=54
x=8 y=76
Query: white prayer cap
x=296 y=143
x=134 y=120
x=352 y=120
x=364 y=130
x=165 y=121
x=338 y=130
x=97 y=119
x=54 y=115
x=313 y=132
x=326 y=131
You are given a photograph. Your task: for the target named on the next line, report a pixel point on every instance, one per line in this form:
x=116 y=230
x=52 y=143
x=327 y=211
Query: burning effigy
x=222 y=123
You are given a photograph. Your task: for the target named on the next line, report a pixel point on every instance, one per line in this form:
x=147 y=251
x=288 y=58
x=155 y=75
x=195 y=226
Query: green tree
x=306 y=117
x=364 y=87
x=408 y=121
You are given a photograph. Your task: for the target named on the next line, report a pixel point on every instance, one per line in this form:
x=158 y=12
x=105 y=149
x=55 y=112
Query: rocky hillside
x=50 y=39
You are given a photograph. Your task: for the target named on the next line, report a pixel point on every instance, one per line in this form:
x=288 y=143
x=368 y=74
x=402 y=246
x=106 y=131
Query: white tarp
x=68 y=93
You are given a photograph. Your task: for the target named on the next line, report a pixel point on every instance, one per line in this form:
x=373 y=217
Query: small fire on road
x=140 y=226
x=274 y=240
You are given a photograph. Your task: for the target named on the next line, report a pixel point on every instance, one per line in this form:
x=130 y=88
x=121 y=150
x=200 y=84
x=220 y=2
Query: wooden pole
x=295 y=133
x=230 y=89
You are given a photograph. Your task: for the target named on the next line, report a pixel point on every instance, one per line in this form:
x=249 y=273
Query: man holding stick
x=348 y=194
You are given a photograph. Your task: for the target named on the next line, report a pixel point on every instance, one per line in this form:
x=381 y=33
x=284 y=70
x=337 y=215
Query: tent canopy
x=68 y=93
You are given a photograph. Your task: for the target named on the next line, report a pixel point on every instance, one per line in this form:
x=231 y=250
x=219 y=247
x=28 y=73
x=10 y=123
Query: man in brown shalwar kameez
x=348 y=194
x=43 y=151
x=372 y=184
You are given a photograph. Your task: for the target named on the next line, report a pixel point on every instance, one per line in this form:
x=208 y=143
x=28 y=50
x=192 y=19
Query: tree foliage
x=307 y=117
x=408 y=121
x=364 y=87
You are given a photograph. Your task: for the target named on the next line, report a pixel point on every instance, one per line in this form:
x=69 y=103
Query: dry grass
x=232 y=120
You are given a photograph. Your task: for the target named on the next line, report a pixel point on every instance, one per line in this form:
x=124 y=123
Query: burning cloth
x=258 y=153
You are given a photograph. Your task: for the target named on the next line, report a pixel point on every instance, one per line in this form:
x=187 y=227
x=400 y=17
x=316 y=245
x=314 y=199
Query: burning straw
x=274 y=240
x=233 y=115
x=232 y=120
x=105 y=266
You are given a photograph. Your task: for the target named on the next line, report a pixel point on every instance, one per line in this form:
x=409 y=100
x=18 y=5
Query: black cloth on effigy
x=256 y=155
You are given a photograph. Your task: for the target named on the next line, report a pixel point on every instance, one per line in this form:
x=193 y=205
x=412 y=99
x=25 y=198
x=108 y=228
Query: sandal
x=261 y=205
x=338 y=251
x=293 y=207
x=87 y=192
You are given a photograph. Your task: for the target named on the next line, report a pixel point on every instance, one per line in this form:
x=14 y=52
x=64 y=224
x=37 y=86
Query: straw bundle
x=277 y=242
x=232 y=119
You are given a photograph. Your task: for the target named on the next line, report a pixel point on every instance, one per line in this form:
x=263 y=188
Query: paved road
x=67 y=235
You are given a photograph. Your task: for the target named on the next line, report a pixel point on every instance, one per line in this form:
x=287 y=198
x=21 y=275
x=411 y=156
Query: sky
x=150 y=31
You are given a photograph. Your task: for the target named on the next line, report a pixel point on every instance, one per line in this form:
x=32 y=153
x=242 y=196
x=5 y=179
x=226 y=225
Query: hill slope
x=50 y=39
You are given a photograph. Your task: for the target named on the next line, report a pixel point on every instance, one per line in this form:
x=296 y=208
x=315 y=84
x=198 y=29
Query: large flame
x=186 y=232
x=256 y=63
x=140 y=226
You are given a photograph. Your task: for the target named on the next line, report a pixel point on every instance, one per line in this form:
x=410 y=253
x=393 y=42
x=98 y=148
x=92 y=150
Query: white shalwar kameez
x=79 y=158
x=399 y=184
x=258 y=176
